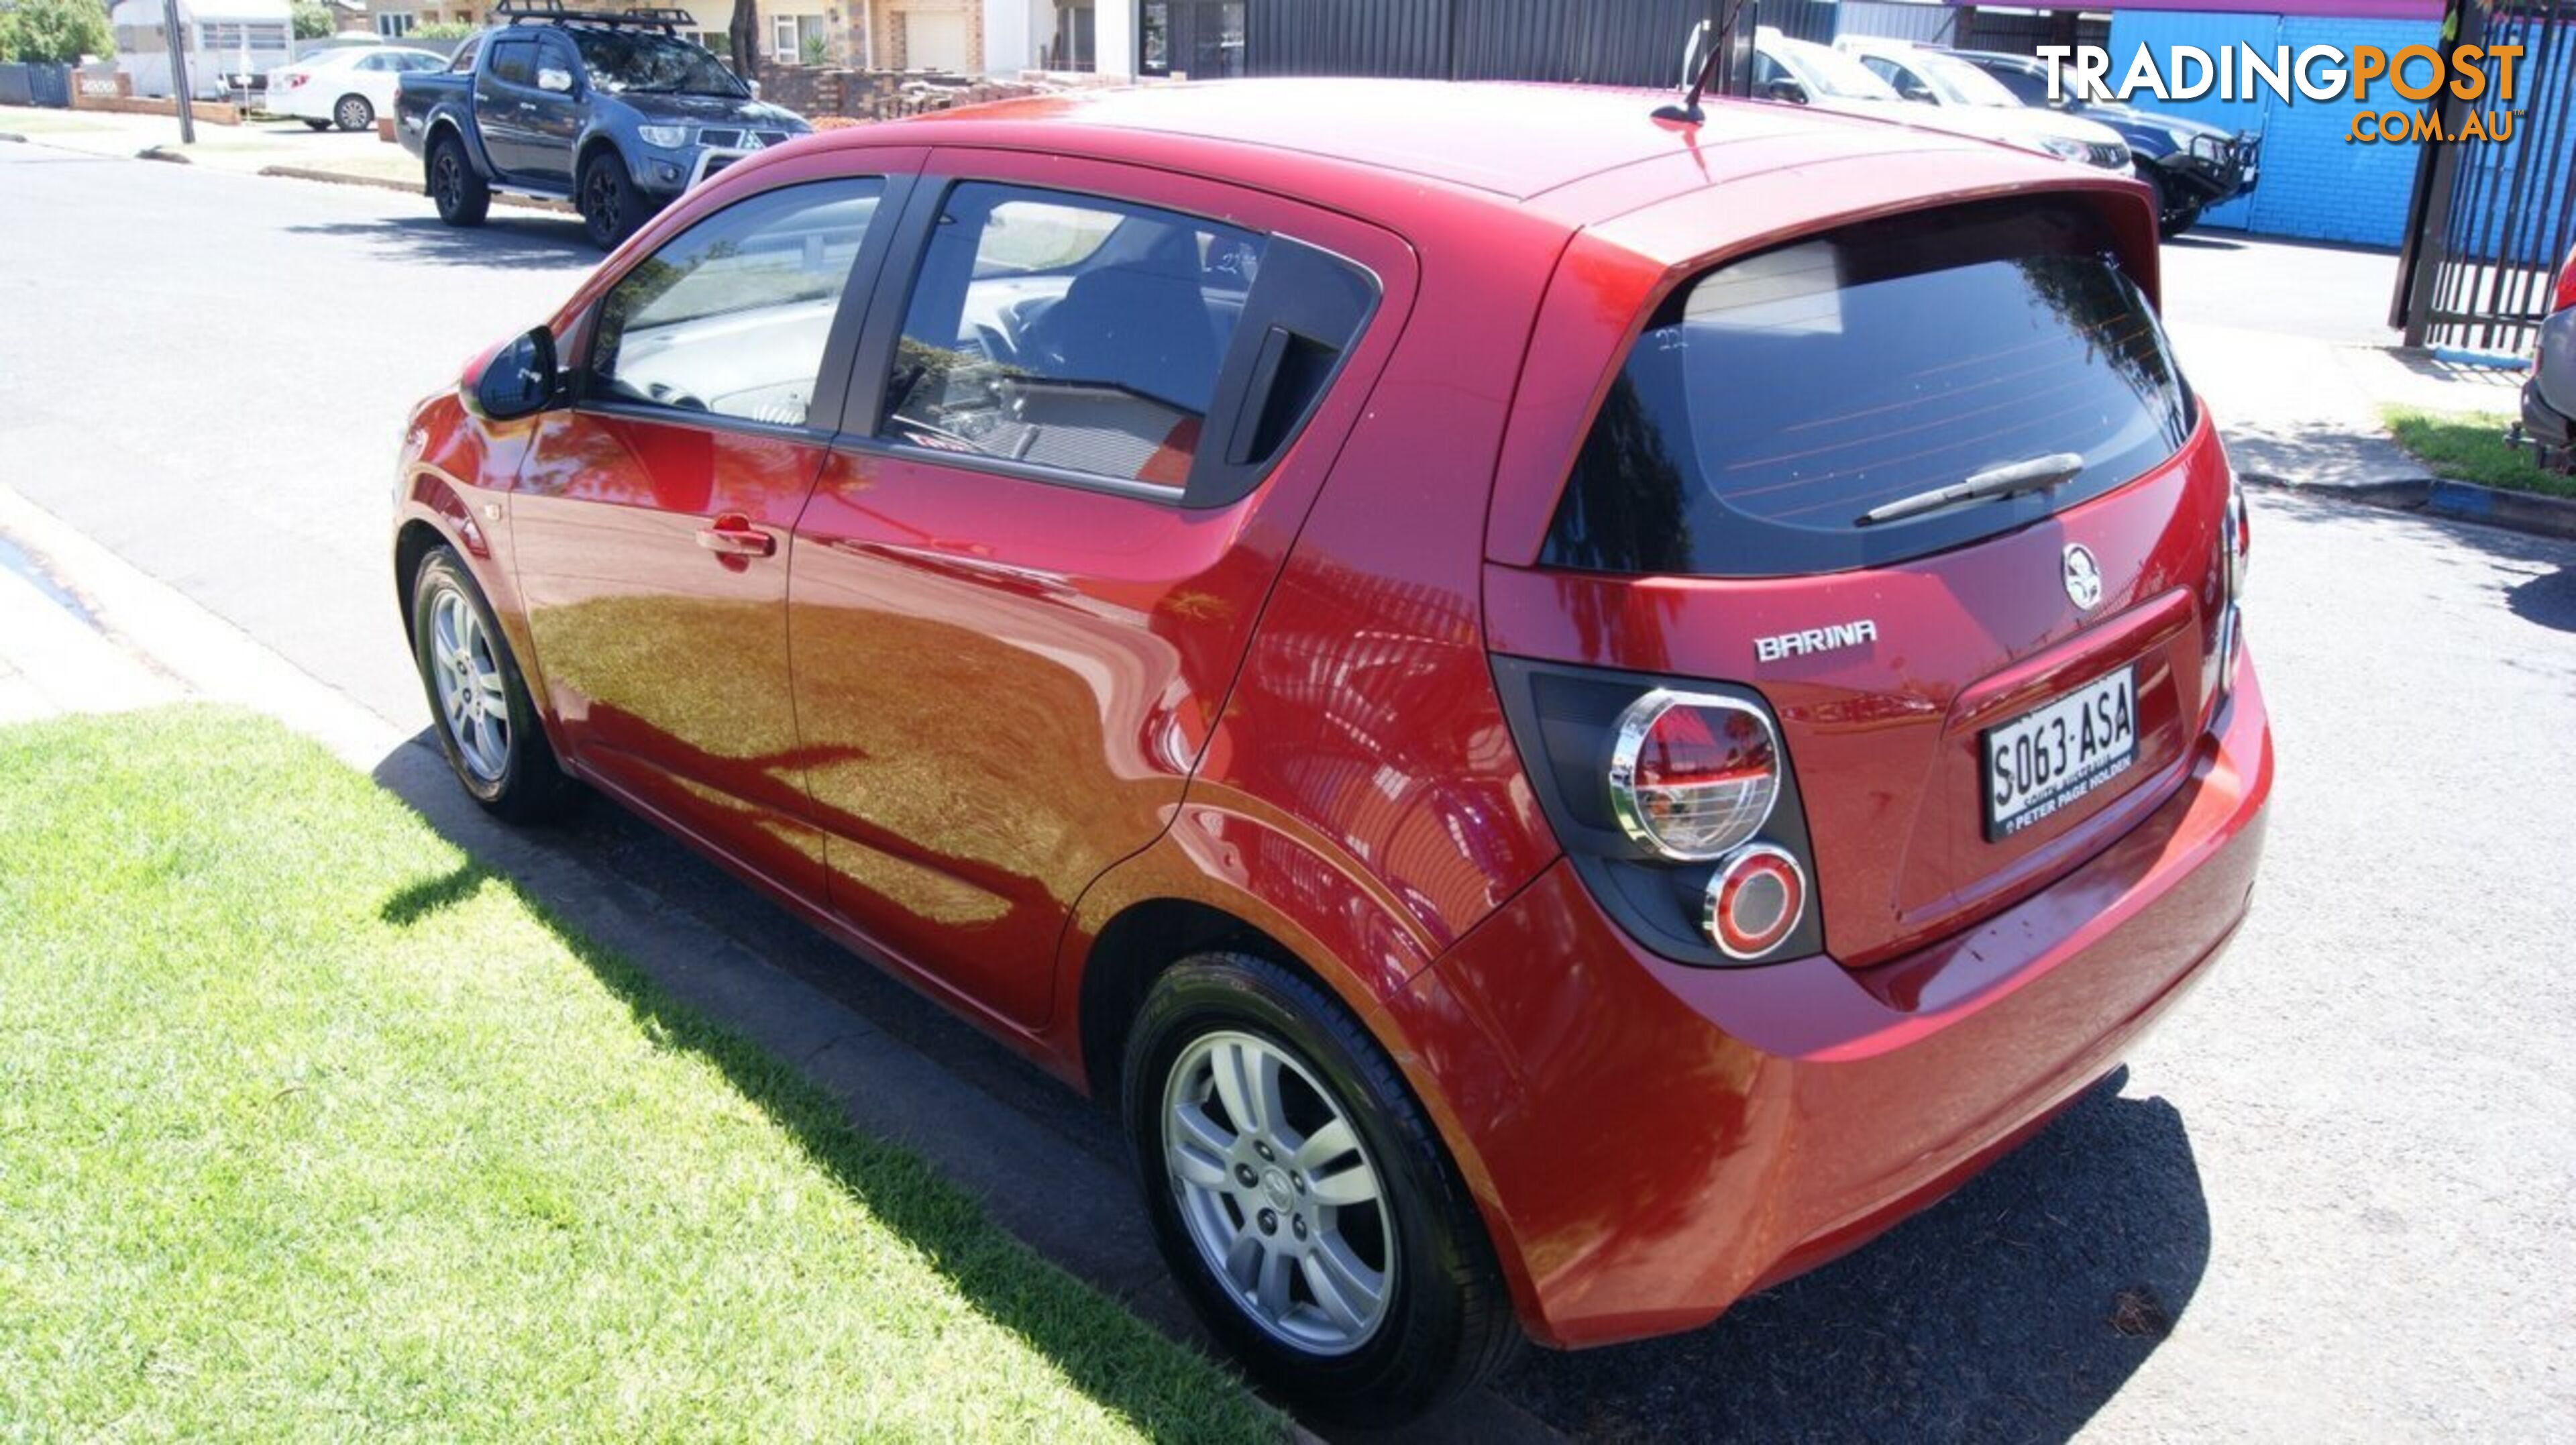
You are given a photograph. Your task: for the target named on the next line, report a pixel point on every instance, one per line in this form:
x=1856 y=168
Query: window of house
x=730 y=317
x=791 y=37
x=1069 y=332
x=394 y=26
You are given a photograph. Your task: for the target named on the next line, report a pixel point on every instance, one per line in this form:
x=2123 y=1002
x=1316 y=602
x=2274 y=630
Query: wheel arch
x=591 y=147
x=1172 y=901
x=442 y=124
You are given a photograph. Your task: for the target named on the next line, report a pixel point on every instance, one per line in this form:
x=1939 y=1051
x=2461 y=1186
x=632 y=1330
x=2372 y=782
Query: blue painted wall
x=2317 y=182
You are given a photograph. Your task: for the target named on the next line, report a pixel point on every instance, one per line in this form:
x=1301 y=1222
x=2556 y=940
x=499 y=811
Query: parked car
x=1569 y=713
x=2548 y=423
x=1926 y=76
x=347 y=87
x=1805 y=73
x=613 y=111
x=2191 y=165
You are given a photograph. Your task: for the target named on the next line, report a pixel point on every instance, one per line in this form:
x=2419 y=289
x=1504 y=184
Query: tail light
x=1676 y=804
x=1756 y=896
x=1692 y=775
x=2566 y=293
x=286 y=80
x=2234 y=553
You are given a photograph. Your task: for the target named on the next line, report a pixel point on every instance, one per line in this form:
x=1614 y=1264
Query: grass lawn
x=309 y=1128
x=2469 y=447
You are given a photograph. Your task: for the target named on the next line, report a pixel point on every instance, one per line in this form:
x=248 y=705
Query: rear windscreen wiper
x=2037 y=474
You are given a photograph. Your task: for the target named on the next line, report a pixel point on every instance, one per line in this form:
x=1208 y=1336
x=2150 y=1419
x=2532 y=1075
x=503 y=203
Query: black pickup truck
x=613 y=111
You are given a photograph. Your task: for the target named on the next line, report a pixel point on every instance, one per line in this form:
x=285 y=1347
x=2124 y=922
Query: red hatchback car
x=1573 y=713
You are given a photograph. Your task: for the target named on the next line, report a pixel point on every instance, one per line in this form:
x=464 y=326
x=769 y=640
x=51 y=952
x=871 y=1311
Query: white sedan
x=348 y=87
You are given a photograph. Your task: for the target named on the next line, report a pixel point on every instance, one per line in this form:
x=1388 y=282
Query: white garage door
x=934 y=40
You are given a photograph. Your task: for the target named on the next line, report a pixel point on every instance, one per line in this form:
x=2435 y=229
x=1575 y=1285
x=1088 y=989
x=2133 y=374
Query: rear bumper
x=1670 y=1138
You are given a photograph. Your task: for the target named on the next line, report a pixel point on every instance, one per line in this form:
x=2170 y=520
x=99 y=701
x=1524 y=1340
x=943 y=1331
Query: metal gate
x=2491 y=220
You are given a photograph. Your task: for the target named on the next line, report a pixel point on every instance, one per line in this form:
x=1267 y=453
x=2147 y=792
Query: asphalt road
x=2333 y=1198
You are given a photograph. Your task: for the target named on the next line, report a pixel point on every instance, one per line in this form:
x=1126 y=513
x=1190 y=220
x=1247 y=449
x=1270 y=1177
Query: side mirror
x=1918 y=92
x=1786 y=89
x=521 y=379
x=558 y=81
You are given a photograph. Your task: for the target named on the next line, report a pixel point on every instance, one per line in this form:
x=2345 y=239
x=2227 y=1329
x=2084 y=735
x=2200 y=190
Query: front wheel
x=354 y=112
x=487 y=723
x=1303 y=1199
x=610 y=206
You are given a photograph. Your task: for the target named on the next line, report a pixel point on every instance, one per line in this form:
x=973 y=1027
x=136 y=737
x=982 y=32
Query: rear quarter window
x=1774 y=400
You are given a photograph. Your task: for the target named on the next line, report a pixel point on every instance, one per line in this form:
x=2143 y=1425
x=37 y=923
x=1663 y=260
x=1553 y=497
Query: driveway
x=2334 y=1197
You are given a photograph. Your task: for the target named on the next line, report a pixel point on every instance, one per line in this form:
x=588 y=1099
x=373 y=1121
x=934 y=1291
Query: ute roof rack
x=665 y=18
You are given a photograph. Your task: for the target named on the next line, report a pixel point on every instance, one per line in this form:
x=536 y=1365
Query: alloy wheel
x=1278 y=1192
x=446 y=180
x=473 y=701
x=355 y=113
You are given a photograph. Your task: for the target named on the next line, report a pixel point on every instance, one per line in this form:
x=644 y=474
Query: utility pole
x=178 y=71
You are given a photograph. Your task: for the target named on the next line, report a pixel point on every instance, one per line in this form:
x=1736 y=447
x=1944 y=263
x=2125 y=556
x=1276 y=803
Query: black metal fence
x=1600 y=42
x=2022 y=33
x=2491 y=219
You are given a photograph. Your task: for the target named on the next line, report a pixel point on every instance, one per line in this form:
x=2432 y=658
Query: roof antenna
x=1689 y=111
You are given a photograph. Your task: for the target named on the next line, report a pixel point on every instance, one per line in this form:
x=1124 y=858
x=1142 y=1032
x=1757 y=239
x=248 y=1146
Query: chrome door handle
x=733 y=535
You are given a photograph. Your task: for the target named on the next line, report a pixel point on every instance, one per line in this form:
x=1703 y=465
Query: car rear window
x=1774 y=400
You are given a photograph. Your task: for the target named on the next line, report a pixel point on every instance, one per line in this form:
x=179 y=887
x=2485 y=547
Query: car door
x=504 y=102
x=554 y=112
x=651 y=520
x=1078 y=444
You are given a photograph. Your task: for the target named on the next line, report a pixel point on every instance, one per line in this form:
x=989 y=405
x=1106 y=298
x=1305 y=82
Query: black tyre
x=317 y=125
x=458 y=190
x=2174 y=223
x=610 y=206
x=486 y=722
x=1304 y=1200
x=354 y=112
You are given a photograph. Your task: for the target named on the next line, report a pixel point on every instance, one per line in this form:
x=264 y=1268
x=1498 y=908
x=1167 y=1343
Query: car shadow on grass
x=528 y=239
x=2014 y=1309
x=794 y=1061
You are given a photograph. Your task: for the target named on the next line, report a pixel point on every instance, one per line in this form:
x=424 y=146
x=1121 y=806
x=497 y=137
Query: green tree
x=312 y=20
x=55 y=32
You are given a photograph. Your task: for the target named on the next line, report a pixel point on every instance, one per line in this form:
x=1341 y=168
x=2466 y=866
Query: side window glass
x=515 y=62
x=1069 y=331
x=556 y=53
x=731 y=316
x=463 y=63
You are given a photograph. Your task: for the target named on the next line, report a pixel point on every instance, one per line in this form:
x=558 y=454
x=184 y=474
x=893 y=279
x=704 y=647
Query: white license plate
x=2045 y=759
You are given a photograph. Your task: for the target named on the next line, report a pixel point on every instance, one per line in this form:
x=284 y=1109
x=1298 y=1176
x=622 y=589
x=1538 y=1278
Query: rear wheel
x=462 y=197
x=1303 y=1199
x=609 y=205
x=317 y=125
x=487 y=723
x=354 y=112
